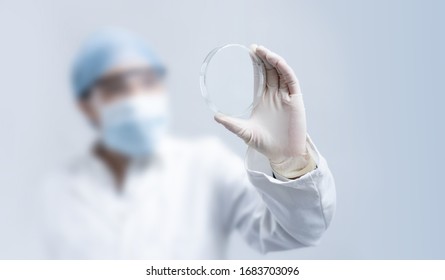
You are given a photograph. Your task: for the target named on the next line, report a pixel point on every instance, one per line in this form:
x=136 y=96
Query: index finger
x=272 y=76
x=287 y=75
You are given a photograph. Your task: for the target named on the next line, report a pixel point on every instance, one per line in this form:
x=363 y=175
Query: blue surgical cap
x=105 y=49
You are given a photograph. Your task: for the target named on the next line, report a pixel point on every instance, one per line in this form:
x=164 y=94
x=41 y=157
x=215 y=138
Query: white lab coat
x=183 y=204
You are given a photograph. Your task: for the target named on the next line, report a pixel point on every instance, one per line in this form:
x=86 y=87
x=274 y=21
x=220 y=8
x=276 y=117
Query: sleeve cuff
x=258 y=163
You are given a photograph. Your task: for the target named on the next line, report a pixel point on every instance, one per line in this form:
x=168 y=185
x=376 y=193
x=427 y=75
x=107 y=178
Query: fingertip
x=262 y=53
x=218 y=117
x=253 y=47
x=261 y=49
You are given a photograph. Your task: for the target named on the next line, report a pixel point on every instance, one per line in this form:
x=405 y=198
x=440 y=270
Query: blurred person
x=140 y=193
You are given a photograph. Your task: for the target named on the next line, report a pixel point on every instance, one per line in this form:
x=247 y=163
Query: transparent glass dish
x=232 y=79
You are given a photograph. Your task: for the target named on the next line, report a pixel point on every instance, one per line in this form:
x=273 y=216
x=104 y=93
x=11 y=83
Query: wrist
x=293 y=167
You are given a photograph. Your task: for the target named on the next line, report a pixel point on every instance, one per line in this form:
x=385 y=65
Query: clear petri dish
x=232 y=80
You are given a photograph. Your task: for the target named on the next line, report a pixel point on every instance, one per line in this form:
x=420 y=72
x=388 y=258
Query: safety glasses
x=118 y=85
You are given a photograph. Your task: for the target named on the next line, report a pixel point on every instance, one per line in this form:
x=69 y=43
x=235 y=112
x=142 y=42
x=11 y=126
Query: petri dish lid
x=232 y=80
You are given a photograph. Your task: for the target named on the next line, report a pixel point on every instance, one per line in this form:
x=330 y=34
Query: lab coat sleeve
x=275 y=214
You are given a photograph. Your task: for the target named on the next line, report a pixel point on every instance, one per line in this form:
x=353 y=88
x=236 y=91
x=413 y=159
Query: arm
x=291 y=178
x=271 y=214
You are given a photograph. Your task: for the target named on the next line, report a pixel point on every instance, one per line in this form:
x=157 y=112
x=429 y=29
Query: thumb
x=239 y=127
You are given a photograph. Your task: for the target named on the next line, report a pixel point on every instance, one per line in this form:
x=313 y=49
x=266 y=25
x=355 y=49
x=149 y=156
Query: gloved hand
x=277 y=125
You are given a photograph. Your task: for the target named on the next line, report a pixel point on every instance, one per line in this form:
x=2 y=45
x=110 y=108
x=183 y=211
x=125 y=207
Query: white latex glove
x=277 y=125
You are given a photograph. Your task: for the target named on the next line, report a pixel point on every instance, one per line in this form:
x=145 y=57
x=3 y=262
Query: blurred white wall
x=372 y=73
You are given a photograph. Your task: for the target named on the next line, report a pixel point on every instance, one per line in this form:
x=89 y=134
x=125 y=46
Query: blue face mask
x=135 y=126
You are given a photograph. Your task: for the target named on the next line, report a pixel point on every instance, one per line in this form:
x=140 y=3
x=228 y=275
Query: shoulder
x=207 y=155
x=206 y=148
x=65 y=174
